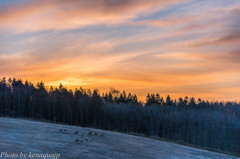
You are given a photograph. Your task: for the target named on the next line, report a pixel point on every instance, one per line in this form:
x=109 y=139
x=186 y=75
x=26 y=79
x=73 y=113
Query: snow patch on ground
x=71 y=142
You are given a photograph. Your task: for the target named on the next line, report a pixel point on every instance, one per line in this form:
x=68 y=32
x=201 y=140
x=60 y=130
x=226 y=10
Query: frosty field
x=24 y=136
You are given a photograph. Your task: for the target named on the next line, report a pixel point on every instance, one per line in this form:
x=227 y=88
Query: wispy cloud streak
x=177 y=47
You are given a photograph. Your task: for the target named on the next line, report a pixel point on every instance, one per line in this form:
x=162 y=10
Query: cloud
x=230 y=37
x=231 y=58
x=197 y=21
x=136 y=45
x=168 y=22
x=211 y=41
x=215 y=33
x=61 y=14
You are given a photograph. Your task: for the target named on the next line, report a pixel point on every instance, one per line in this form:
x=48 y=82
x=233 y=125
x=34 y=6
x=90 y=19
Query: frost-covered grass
x=18 y=135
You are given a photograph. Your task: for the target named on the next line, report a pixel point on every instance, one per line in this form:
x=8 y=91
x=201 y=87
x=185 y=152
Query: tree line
x=214 y=125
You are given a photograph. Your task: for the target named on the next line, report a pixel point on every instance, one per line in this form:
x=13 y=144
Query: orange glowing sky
x=176 y=47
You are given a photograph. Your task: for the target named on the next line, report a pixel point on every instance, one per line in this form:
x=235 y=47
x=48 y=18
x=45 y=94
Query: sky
x=176 y=47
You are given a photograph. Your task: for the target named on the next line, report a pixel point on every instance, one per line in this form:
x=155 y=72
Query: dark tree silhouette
x=214 y=125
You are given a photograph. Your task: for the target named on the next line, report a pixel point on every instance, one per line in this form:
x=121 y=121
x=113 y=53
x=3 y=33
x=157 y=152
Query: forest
x=211 y=125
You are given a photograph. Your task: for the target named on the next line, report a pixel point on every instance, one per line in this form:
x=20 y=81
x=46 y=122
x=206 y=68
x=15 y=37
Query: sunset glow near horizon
x=176 y=47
